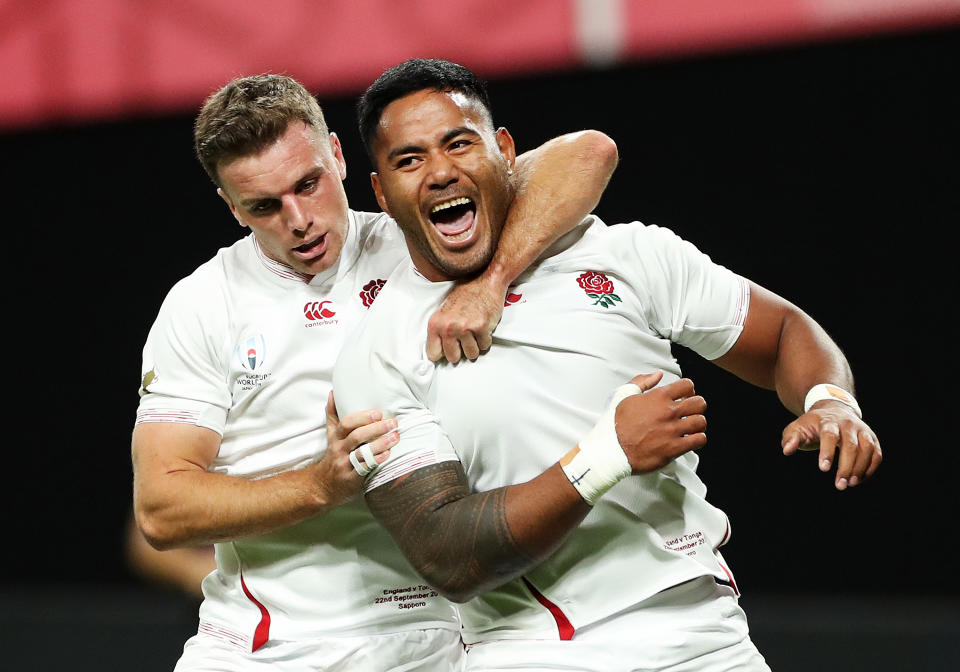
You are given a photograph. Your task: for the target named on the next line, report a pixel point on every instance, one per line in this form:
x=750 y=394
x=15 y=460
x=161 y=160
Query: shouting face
x=443 y=174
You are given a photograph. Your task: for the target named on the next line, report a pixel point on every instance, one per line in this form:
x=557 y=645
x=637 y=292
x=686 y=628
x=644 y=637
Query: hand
x=830 y=425
x=336 y=474
x=660 y=424
x=465 y=321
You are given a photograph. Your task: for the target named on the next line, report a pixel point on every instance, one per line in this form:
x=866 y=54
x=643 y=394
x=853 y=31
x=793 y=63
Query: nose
x=294 y=215
x=443 y=171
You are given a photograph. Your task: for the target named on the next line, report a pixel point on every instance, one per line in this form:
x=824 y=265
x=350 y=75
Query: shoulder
x=593 y=243
x=375 y=230
x=404 y=302
x=207 y=289
x=391 y=338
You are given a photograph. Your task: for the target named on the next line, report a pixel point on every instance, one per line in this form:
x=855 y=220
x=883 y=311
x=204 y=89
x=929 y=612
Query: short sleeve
x=689 y=299
x=184 y=379
x=390 y=375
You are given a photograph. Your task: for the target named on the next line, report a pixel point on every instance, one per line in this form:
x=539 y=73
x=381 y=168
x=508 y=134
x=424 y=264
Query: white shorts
x=696 y=626
x=432 y=650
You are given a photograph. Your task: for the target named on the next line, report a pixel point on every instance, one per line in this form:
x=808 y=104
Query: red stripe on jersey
x=262 y=633
x=564 y=626
x=733 y=584
x=726 y=538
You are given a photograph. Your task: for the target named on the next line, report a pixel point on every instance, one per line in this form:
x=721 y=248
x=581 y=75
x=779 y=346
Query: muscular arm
x=180 y=568
x=465 y=543
x=178 y=502
x=556 y=186
x=782 y=348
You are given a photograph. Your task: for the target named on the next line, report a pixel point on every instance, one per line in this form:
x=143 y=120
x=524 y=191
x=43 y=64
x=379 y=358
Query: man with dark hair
x=231 y=446
x=573 y=527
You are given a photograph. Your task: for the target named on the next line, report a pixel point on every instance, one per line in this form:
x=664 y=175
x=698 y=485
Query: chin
x=465 y=267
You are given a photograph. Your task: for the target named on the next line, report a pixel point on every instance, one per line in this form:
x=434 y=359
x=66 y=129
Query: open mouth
x=454 y=219
x=306 y=248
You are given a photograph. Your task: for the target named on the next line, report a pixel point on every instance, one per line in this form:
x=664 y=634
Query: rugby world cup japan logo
x=252 y=352
x=370 y=290
x=599 y=287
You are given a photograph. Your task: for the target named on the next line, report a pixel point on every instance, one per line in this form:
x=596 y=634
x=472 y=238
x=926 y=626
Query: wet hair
x=247 y=115
x=409 y=77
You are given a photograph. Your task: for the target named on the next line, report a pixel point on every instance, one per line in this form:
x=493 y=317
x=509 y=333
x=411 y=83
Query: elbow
x=452 y=589
x=600 y=150
x=156 y=532
x=460 y=580
x=459 y=596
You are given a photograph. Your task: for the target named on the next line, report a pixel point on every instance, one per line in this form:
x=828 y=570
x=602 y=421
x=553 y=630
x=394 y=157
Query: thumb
x=332 y=408
x=647 y=381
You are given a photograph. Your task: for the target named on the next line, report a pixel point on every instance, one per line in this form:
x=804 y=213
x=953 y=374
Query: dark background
x=827 y=173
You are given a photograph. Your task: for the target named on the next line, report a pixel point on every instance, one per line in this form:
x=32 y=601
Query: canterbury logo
x=315 y=310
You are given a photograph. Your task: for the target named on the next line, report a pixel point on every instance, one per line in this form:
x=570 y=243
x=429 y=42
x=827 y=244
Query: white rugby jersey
x=603 y=305
x=246 y=346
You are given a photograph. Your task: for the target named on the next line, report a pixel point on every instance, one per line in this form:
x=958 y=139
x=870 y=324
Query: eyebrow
x=315 y=173
x=447 y=137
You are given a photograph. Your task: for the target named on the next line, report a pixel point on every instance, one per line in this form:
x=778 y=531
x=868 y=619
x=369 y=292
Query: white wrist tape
x=833 y=393
x=599 y=462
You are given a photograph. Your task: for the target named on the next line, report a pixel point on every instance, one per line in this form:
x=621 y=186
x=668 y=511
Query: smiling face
x=443 y=175
x=291 y=196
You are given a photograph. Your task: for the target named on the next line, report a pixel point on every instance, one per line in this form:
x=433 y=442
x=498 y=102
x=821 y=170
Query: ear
x=233 y=209
x=337 y=151
x=507 y=147
x=378 y=191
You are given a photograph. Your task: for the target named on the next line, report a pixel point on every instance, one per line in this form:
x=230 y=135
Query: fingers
x=454 y=345
x=870 y=440
x=678 y=389
x=369 y=433
x=845 y=443
x=484 y=341
x=434 y=346
x=695 y=405
x=693 y=424
x=380 y=448
x=467 y=344
x=353 y=421
x=860 y=457
x=463 y=325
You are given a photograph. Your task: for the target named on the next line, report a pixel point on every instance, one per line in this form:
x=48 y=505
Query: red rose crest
x=511 y=299
x=370 y=291
x=599 y=287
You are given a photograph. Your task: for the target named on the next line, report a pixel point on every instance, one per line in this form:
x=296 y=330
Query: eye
x=263 y=207
x=460 y=143
x=308 y=186
x=406 y=162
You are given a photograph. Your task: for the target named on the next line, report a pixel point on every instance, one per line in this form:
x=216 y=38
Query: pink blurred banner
x=84 y=60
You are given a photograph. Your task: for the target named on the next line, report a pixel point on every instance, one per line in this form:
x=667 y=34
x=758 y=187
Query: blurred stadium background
x=811 y=145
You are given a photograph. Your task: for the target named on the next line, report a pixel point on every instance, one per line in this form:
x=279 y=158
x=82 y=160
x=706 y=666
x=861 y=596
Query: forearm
x=556 y=186
x=463 y=543
x=784 y=349
x=807 y=357
x=192 y=507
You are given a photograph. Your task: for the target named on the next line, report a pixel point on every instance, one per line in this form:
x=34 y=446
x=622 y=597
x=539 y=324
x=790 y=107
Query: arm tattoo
x=460 y=542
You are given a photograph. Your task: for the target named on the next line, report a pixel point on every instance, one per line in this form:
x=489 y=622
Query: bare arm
x=556 y=186
x=178 y=502
x=464 y=543
x=782 y=348
x=180 y=568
